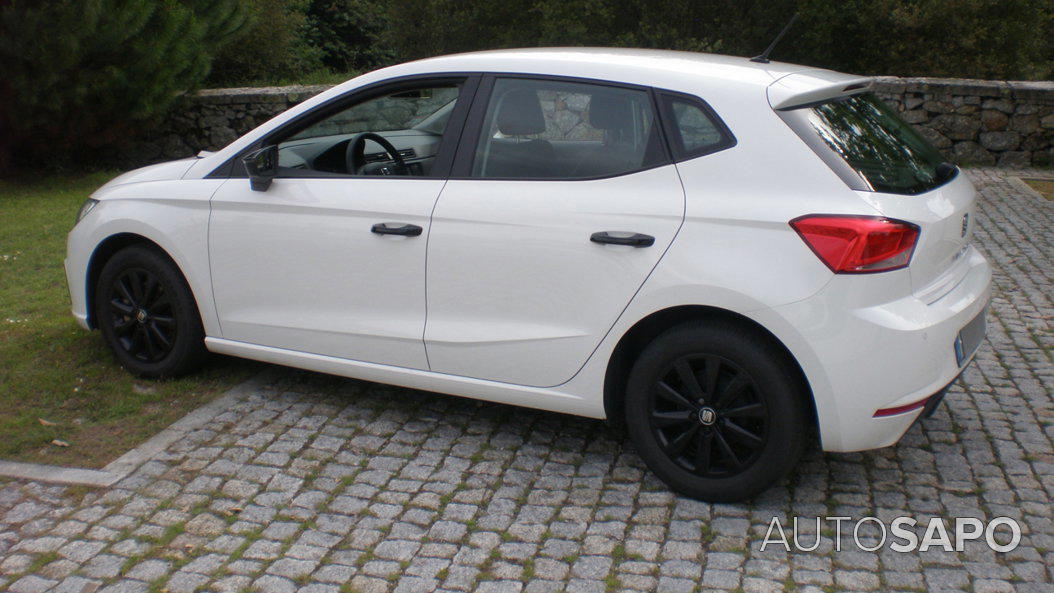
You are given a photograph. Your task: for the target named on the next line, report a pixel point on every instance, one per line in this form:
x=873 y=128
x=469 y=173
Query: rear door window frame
x=673 y=131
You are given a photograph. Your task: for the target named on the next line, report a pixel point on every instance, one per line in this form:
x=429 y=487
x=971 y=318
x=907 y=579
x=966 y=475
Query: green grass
x=53 y=370
x=1045 y=187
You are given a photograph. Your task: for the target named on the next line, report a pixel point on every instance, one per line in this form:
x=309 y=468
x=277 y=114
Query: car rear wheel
x=147 y=314
x=716 y=411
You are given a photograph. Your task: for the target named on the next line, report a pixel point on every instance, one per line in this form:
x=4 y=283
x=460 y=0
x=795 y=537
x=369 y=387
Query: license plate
x=970 y=337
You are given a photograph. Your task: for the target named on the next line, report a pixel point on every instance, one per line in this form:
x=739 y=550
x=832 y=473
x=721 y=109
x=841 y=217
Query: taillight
x=858 y=244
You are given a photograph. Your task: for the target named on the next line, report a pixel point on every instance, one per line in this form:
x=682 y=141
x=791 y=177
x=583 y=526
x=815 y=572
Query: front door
x=566 y=204
x=330 y=259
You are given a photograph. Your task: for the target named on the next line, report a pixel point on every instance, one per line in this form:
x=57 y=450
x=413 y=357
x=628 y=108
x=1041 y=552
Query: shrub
x=349 y=34
x=965 y=38
x=79 y=75
x=988 y=39
x=271 y=48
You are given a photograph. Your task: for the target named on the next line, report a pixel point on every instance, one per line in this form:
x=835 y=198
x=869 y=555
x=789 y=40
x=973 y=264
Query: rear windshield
x=867 y=143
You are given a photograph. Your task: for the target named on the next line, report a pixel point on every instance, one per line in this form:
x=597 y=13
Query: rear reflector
x=901 y=409
x=858 y=244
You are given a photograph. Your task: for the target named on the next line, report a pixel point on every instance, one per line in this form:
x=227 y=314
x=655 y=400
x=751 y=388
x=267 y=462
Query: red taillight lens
x=858 y=244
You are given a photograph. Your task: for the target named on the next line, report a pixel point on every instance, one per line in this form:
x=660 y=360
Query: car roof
x=622 y=64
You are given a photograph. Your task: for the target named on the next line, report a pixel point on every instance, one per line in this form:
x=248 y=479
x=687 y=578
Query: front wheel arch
x=647 y=329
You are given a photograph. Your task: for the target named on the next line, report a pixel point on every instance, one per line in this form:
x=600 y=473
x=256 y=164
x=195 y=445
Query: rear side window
x=552 y=129
x=869 y=146
x=695 y=129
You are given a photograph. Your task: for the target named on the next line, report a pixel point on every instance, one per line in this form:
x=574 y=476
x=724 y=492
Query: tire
x=737 y=430
x=147 y=314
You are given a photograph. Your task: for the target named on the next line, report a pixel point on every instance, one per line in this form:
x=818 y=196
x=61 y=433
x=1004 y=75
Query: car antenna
x=764 y=57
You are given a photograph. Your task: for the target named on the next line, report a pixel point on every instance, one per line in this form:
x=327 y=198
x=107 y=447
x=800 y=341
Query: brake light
x=858 y=244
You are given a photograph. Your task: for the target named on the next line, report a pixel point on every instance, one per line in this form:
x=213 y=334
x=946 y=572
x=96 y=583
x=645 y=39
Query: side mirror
x=262 y=166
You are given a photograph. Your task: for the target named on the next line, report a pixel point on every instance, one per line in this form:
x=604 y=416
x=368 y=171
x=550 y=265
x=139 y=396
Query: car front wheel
x=716 y=411
x=147 y=314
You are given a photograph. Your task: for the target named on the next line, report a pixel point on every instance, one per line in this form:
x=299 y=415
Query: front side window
x=410 y=121
x=881 y=151
x=544 y=129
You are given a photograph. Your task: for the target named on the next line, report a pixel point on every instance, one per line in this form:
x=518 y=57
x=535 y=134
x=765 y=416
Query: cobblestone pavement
x=323 y=485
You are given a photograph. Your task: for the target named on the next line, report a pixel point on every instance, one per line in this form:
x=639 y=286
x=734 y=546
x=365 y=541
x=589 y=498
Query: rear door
x=562 y=202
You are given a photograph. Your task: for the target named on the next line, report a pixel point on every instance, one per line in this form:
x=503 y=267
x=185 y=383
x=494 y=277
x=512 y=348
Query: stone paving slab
x=315 y=484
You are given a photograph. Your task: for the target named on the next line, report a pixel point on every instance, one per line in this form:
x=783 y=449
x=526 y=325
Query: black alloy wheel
x=147 y=314
x=717 y=409
x=707 y=416
x=142 y=316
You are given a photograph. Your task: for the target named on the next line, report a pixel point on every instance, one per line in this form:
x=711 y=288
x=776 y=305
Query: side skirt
x=506 y=393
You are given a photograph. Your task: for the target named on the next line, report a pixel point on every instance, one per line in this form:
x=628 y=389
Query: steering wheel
x=356 y=158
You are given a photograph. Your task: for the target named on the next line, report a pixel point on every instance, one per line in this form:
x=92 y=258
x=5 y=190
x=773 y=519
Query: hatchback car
x=722 y=254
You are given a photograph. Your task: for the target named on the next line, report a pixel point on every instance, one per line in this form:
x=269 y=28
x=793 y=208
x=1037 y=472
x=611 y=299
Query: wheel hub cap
x=707 y=416
x=141 y=315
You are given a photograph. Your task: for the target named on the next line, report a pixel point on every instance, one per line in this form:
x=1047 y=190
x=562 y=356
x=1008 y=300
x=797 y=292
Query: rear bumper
x=928 y=405
x=876 y=364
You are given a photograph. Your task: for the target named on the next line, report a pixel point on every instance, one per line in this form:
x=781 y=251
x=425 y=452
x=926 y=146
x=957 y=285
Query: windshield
x=867 y=143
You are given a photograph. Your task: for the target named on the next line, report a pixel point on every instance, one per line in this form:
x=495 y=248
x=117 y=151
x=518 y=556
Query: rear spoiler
x=810 y=87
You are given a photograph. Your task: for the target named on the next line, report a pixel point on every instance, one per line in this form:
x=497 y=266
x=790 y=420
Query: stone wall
x=212 y=119
x=979 y=122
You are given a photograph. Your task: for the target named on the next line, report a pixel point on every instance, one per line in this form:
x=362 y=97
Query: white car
x=721 y=253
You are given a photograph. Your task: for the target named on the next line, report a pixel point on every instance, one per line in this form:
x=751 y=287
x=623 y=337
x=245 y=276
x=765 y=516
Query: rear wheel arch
x=633 y=342
x=106 y=250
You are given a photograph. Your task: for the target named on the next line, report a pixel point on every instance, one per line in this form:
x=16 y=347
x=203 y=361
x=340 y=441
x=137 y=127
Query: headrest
x=610 y=112
x=520 y=113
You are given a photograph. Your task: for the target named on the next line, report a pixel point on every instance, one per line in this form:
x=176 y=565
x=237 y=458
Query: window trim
x=473 y=129
x=673 y=132
x=233 y=168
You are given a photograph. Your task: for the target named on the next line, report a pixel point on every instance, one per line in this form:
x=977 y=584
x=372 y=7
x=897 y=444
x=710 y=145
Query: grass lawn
x=58 y=381
x=1045 y=187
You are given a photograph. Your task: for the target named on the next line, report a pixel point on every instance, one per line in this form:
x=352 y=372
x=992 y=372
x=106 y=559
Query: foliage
x=988 y=39
x=78 y=74
x=272 y=46
x=964 y=38
x=348 y=34
x=223 y=20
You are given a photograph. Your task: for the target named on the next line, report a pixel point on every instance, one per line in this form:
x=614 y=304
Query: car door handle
x=394 y=228
x=620 y=238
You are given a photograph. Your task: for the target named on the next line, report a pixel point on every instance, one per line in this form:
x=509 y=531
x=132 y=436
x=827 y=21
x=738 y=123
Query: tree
x=79 y=75
x=272 y=47
x=968 y=38
x=349 y=34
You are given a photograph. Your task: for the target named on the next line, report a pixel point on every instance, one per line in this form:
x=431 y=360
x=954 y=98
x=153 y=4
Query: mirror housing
x=262 y=167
